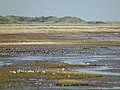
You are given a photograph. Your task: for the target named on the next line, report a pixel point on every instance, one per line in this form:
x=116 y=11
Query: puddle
x=5 y=63
x=114 y=48
x=96 y=70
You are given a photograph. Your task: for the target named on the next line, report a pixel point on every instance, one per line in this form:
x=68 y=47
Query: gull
x=43 y=72
x=63 y=69
x=88 y=63
x=53 y=73
x=30 y=71
x=14 y=72
x=68 y=76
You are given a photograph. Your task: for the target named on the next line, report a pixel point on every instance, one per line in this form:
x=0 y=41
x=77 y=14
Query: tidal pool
x=74 y=59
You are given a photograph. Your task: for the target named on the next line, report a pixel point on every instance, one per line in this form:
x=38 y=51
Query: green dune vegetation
x=11 y=19
x=50 y=20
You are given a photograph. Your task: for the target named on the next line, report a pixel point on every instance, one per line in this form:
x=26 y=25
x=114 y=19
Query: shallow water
x=96 y=70
x=74 y=59
x=68 y=58
x=2 y=63
x=66 y=88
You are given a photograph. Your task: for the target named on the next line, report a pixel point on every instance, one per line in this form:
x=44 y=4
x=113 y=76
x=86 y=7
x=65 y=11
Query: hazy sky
x=106 y=10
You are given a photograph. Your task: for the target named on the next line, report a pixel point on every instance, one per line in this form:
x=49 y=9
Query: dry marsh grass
x=17 y=29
